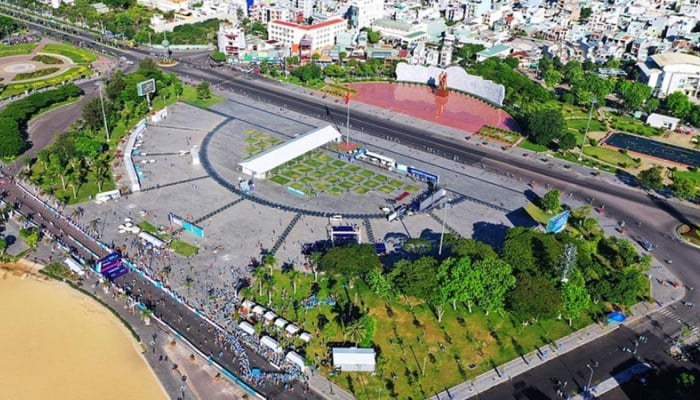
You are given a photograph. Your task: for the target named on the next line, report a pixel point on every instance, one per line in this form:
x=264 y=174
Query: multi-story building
x=672 y=72
x=265 y=13
x=364 y=12
x=231 y=41
x=321 y=34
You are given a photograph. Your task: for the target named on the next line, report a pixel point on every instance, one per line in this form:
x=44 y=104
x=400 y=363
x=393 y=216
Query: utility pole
x=588 y=125
x=104 y=115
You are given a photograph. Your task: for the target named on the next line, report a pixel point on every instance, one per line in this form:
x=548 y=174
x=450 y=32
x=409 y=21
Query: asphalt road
x=42 y=130
x=604 y=356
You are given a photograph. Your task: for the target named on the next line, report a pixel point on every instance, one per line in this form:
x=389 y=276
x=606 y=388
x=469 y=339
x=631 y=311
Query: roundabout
x=13 y=66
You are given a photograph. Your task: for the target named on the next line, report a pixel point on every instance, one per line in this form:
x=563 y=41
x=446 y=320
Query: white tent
x=292 y=329
x=258 y=310
x=294 y=358
x=354 y=359
x=305 y=336
x=145 y=236
x=259 y=165
x=269 y=317
x=270 y=343
x=281 y=323
x=246 y=327
x=246 y=306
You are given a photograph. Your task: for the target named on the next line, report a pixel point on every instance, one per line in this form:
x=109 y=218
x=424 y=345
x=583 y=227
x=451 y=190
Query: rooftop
x=665 y=59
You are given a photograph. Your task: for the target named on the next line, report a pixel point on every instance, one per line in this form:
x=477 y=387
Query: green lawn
x=537 y=213
x=610 y=156
x=16 y=49
x=425 y=355
x=528 y=145
x=312 y=163
x=692 y=175
x=183 y=248
x=580 y=125
x=280 y=179
x=189 y=95
x=77 y=55
x=147 y=227
x=627 y=123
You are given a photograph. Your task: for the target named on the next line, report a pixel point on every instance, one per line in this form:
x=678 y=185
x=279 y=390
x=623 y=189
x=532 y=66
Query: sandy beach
x=56 y=343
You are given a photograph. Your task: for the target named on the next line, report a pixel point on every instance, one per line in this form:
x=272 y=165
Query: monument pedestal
x=440 y=92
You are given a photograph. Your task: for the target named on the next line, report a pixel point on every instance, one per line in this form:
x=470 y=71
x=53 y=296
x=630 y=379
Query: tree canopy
x=545 y=125
x=350 y=261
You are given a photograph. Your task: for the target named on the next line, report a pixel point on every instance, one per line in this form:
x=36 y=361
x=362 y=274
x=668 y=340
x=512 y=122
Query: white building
x=321 y=35
x=165 y=5
x=231 y=41
x=364 y=12
x=662 y=121
x=354 y=359
x=260 y=165
x=672 y=72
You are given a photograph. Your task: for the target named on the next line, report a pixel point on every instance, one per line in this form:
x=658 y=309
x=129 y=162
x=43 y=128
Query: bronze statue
x=443 y=81
x=442 y=90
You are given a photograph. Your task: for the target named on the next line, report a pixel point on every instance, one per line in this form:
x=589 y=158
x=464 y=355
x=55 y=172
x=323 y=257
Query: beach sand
x=56 y=343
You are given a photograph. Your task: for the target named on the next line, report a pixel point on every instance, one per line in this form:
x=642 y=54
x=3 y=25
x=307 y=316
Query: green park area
x=76 y=54
x=317 y=172
x=7 y=50
x=46 y=76
x=436 y=320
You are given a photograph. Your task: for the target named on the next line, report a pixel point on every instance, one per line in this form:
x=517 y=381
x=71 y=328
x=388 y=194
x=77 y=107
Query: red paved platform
x=456 y=111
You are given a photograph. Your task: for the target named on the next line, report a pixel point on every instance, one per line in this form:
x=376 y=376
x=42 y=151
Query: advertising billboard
x=558 y=222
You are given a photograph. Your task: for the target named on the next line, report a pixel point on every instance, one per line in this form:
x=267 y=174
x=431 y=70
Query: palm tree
x=100 y=170
x=269 y=260
x=355 y=332
x=260 y=275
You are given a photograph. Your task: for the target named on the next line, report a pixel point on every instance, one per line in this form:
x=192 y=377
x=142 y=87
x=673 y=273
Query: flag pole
x=347 y=122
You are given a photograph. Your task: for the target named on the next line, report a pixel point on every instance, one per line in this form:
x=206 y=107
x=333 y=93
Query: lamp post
x=590 y=378
x=651 y=281
x=99 y=85
x=442 y=231
x=588 y=125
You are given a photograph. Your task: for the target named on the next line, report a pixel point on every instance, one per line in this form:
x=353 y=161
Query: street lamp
x=650 y=287
x=99 y=85
x=588 y=125
x=442 y=232
x=590 y=378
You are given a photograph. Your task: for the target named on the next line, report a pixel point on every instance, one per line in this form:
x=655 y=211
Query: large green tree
x=679 y=104
x=460 y=280
x=551 y=201
x=534 y=297
x=496 y=278
x=350 y=261
x=416 y=278
x=651 y=178
x=684 y=188
x=545 y=125
x=575 y=296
